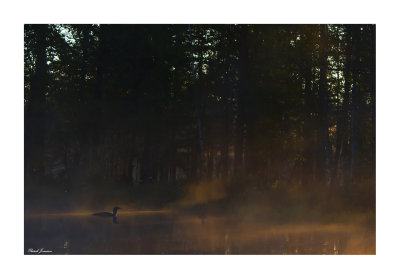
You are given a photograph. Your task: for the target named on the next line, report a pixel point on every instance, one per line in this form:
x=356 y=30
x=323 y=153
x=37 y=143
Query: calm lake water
x=166 y=232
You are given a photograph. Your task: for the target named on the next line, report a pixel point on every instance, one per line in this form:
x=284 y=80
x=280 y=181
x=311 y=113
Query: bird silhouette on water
x=109 y=214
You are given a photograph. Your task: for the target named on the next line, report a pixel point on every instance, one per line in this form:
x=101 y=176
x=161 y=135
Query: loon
x=108 y=214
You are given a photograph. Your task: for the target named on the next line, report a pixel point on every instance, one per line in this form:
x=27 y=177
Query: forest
x=274 y=120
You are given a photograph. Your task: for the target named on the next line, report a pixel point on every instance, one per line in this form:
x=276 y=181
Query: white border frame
x=16 y=13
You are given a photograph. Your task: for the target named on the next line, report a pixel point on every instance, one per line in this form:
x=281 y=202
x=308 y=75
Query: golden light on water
x=176 y=232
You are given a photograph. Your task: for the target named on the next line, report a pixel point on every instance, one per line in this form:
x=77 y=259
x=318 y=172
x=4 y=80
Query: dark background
x=267 y=119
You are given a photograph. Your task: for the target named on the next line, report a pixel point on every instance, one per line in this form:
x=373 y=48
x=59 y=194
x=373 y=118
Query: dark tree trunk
x=342 y=126
x=147 y=171
x=201 y=145
x=84 y=46
x=97 y=115
x=172 y=161
x=241 y=96
x=85 y=132
x=35 y=115
x=373 y=88
x=198 y=107
x=323 y=127
x=309 y=127
x=129 y=169
x=225 y=139
x=210 y=164
x=354 y=97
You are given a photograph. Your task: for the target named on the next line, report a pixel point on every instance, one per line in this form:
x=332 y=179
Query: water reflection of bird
x=108 y=214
